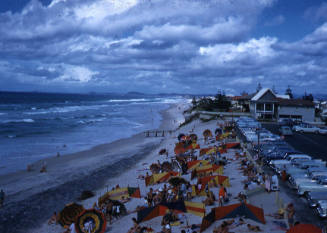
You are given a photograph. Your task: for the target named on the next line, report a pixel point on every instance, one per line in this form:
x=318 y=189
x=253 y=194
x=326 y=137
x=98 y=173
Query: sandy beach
x=31 y=197
x=70 y=175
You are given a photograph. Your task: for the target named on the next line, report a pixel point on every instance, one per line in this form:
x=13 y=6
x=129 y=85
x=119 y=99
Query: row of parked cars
x=306 y=175
x=287 y=125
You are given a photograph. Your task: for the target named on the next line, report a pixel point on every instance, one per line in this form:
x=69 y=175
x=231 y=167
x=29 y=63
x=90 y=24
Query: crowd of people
x=184 y=190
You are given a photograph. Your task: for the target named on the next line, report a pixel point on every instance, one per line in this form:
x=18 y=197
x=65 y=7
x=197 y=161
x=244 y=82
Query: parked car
x=323 y=130
x=286 y=131
x=322 y=208
x=310 y=186
x=285 y=122
x=306 y=128
x=321 y=179
x=311 y=163
x=316 y=169
x=314 y=197
x=297 y=156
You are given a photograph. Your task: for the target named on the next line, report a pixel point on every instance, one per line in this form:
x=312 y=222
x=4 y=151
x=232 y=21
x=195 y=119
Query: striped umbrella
x=68 y=214
x=90 y=221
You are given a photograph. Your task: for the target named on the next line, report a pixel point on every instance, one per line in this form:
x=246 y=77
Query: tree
x=221 y=102
x=307 y=97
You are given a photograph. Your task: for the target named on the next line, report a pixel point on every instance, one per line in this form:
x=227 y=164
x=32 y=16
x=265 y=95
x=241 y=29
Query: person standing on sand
x=221 y=195
x=290 y=214
x=267 y=184
x=2 y=197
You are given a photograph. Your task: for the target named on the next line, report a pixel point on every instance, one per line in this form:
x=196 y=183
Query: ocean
x=34 y=126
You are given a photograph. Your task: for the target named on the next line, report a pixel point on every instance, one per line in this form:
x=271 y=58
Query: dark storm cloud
x=154 y=46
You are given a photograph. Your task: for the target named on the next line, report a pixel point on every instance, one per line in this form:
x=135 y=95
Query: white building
x=266 y=105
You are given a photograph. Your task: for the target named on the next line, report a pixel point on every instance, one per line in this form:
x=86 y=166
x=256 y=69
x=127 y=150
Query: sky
x=163 y=46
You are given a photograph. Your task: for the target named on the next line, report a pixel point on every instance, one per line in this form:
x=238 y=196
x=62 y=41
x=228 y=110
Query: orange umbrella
x=304 y=228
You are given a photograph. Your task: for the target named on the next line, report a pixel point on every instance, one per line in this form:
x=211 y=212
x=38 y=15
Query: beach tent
x=90 y=221
x=304 y=228
x=232 y=211
x=196 y=208
x=233 y=145
x=195 y=163
x=175 y=181
x=183 y=147
x=177 y=207
x=222 y=136
x=119 y=193
x=197 y=192
x=209 y=150
x=69 y=214
x=207 y=169
x=215 y=180
x=160 y=177
x=160 y=210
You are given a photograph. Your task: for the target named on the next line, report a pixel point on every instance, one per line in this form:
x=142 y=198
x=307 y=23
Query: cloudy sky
x=185 y=46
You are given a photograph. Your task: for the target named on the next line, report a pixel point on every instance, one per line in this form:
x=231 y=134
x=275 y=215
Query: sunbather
x=253 y=228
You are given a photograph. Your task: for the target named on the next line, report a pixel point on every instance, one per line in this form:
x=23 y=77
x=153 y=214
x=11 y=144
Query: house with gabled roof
x=264 y=105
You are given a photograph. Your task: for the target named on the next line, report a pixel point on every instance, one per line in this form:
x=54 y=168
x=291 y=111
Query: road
x=312 y=144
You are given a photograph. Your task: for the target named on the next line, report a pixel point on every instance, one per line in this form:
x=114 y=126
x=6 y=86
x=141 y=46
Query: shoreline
x=68 y=176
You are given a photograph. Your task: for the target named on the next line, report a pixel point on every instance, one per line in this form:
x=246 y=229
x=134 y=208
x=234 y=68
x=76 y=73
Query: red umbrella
x=304 y=228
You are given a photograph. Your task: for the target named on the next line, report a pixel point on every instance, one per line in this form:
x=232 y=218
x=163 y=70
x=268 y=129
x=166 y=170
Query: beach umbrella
x=166 y=166
x=162 y=151
x=90 y=220
x=68 y=214
x=180 y=136
x=194 y=137
x=304 y=228
x=175 y=181
x=207 y=133
x=218 y=131
x=155 y=168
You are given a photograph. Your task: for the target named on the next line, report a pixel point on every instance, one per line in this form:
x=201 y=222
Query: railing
x=157 y=133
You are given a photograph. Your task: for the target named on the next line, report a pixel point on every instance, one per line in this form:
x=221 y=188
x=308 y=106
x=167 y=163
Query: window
x=260 y=107
x=268 y=107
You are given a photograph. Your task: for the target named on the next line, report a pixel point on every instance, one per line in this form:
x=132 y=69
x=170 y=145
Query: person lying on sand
x=253 y=228
x=125 y=199
x=223 y=228
x=278 y=215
